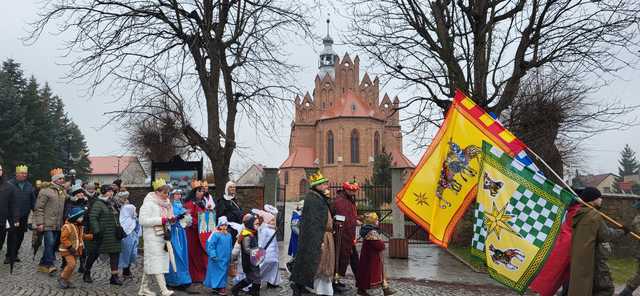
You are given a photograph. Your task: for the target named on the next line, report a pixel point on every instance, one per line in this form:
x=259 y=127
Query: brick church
x=341 y=126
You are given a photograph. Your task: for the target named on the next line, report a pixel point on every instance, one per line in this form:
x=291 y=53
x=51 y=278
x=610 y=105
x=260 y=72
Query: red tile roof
x=301 y=157
x=345 y=108
x=593 y=180
x=108 y=165
x=400 y=161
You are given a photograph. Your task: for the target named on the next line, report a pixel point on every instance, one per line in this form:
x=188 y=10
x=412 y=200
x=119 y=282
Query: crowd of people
x=189 y=237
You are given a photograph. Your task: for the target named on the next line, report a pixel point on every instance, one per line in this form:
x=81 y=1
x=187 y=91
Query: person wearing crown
x=202 y=209
x=314 y=264
x=178 y=275
x=48 y=217
x=156 y=216
x=370 y=272
x=344 y=204
x=25 y=201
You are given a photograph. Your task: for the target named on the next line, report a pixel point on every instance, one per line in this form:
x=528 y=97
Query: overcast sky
x=44 y=61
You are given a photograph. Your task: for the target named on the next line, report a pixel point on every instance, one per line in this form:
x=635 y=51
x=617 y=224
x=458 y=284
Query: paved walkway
x=429 y=272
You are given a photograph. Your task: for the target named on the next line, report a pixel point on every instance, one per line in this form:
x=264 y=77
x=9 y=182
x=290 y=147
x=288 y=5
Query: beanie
x=589 y=194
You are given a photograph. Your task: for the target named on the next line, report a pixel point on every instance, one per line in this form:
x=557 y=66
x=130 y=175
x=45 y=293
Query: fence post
x=398 y=245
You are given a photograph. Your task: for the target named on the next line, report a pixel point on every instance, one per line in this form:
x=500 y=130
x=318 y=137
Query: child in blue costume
x=296 y=218
x=180 y=275
x=219 y=252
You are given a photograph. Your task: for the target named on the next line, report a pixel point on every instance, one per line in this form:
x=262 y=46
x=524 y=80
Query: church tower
x=328 y=57
x=342 y=125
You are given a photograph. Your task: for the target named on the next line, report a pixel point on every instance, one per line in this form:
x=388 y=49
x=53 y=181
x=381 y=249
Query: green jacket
x=104 y=220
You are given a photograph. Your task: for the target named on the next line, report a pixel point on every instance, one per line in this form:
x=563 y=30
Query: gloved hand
x=179 y=217
x=626 y=229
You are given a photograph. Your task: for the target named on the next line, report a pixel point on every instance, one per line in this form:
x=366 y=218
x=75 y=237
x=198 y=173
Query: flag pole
x=586 y=204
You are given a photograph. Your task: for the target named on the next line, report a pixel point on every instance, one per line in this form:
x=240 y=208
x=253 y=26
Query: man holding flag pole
x=520 y=212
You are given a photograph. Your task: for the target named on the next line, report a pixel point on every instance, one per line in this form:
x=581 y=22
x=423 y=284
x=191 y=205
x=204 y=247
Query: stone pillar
x=271 y=192
x=398 y=245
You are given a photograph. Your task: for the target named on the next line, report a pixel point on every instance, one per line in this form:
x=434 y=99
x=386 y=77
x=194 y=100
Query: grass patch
x=622 y=269
x=464 y=253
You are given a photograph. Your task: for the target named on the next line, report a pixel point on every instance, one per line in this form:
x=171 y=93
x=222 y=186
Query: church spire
x=328 y=57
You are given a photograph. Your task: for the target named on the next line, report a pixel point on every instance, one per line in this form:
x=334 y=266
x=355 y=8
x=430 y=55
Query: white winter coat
x=156 y=259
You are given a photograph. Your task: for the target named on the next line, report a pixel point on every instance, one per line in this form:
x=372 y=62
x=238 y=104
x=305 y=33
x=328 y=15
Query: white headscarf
x=227 y=196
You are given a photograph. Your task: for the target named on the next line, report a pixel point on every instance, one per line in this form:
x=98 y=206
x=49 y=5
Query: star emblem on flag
x=497 y=220
x=421 y=198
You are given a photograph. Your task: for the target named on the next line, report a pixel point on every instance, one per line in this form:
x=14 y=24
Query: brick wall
x=617 y=207
x=248 y=197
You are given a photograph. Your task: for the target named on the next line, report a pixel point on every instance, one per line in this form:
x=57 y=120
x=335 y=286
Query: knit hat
x=118 y=183
x=76 y=188
x=370 y=218
x=75 y=213
x=248 y=220
x=105 y=188
x=176 y=191
x=222 y=220
x=271 y=209
x=589 y=194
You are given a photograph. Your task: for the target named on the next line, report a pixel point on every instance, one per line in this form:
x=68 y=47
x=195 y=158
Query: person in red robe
x=370 y=273
x=344 y=204
x=555 y=271
x=196 y=206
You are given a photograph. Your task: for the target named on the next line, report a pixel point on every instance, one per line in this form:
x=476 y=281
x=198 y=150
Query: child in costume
x=219 y=251
x=269 y=269
x=179 y=275
x=296 y=217
x=129 y=222
x=248 y=243
x=71 y=244
x=370 y=274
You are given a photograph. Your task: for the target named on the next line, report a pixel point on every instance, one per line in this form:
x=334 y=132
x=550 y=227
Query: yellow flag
x=443 y=185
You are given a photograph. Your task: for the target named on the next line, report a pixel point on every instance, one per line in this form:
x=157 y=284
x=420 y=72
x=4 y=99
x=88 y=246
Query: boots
x=626 y=292
x=386 y=291
x=86 y=277
x=63 y=284
x=144 y=287
x=296 y=290
x=363 y=292
x=235 y=291
x=163 y=285
x=115 y=280
x=255 y=290
x=126 y=273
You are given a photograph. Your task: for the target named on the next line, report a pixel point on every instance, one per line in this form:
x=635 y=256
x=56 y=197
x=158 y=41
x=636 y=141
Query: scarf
x=164 y=204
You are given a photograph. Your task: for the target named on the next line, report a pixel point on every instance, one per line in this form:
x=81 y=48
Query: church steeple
x=328 y=57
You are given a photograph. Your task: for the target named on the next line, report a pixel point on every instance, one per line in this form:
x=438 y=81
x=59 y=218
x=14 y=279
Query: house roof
x=349 y=105
x=301 y=157
x=593 y=180
x=400 y=160
x=110 y=165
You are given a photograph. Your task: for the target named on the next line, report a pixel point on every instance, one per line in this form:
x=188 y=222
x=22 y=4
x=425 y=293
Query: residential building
x=106 y=169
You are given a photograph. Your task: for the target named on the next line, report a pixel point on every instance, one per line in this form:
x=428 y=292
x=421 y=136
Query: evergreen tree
x=381 y=180
x=34 y=128
x=628 y=165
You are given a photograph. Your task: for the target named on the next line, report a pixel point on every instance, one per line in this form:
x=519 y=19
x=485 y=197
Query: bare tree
x=215 y=58
x=156 y=138
x=554 y=113
x=486 y=48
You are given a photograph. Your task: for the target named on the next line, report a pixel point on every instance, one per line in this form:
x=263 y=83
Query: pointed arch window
x=355 y=146
x=330 y=150
x=376 y=144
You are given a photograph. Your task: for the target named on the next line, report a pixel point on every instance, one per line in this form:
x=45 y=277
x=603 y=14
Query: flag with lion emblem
x=520 y=213
x=443 y=185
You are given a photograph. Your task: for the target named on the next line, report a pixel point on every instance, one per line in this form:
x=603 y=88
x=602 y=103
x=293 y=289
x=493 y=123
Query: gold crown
x=198 y=183
x=56 y=172
x=317 y=178
x=22 y=169
x=158 y=183
x=370 y=218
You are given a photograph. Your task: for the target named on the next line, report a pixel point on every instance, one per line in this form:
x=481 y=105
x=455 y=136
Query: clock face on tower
x=326 y=61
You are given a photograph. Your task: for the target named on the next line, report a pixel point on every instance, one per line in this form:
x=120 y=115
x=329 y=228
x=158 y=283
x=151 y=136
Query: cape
x=312 y=229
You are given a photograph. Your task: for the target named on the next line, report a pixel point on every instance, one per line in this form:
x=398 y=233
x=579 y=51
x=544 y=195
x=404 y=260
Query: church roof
x=349 y=105
x=400 y=161
x=301 y=157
